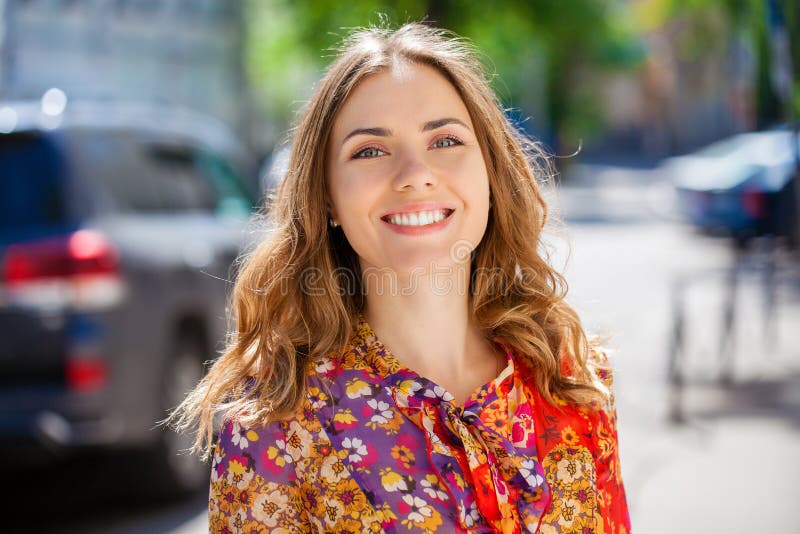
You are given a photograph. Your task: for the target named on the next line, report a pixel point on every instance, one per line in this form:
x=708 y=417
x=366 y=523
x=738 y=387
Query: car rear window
x=32 y=182
x=158 y=177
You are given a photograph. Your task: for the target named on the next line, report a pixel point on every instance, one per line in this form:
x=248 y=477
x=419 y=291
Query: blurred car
x=118 y=229
x=741 y=186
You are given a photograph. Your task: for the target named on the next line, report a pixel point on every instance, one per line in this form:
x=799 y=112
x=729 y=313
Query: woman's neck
x=427 y=325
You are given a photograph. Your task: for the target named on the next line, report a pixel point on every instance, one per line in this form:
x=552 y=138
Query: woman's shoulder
x=600 y=367
x=269 y=447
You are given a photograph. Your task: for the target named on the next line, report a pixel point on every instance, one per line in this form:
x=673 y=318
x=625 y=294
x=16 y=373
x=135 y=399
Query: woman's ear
x=332 y=219
x=331 y=210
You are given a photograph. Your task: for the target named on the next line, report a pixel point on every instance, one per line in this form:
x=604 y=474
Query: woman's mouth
x=418 y=218
x=418 y=223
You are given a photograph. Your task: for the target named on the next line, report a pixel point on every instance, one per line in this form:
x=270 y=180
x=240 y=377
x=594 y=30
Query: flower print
x=242 y=439
x=239 y=475
x=333 y=511
x=349 y=359
x=226 y=497
x=584 y=525
x=404 y=452
x=528 y=471
x=419 y=514
x=438 y=392
x=381 y=413
x=244 y=496
x=356 y=448
x=236 y=521
x=317 y=398
x=569 y=436
x=333 y=469
x=323 y=448
x=298 y=441
x=533 y=496
x=470 y=516
x=431 y=524
x=583 y=492
x=435 y=440
x=417 y=508
x=350 y=495
x=217 y=466
x=393 y=426
x=522 y=429
x=458 y=480
x=409 y=387
x=432 y=487
x=392 y=481
x=268 y=504
x=568 y=509
x=310 y=494
x=404 y=457
x=386 y=515
x=496 y=419
x=324 y=366
x=569 y=470
x=275 y=458
x=217 y=522
x=374 y=527
x=345 y=420
x=254 y=527
x=238 y=469
x=350 y=526
x=357 y=387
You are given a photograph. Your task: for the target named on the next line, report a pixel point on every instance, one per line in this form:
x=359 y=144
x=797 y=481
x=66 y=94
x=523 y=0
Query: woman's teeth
x=420 y=218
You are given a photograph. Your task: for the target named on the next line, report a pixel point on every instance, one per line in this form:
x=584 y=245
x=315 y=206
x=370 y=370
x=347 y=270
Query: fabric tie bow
x=510 y=488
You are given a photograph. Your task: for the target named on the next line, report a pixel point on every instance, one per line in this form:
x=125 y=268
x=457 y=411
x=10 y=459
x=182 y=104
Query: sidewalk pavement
x=732 y=466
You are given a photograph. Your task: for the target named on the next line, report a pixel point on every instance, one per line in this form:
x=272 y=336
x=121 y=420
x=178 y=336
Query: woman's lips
x=420 y=230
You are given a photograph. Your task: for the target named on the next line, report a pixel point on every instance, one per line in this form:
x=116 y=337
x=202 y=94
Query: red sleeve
x=610 y=490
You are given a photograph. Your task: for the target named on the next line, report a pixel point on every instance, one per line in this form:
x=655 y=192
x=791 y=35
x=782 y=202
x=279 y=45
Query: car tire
x=174 y=471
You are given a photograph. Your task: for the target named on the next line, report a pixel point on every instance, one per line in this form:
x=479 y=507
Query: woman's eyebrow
x=380 y=132
x=385 y=132
x=438 y=123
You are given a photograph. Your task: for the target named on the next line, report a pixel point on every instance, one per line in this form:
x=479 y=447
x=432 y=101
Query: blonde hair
x=280 y=328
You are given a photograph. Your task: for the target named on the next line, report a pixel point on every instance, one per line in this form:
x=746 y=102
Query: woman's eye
x=368 y=152
x=445 y=142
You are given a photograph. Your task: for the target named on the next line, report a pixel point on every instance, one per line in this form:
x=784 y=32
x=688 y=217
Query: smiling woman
x=420 y=160
x=449 y=387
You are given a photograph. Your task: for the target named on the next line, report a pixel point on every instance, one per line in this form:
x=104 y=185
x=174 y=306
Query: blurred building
x=182 y=52
x=696 y=85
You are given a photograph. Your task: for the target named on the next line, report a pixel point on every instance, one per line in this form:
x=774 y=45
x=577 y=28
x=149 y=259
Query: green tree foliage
x=749 y=18
x=537 y=48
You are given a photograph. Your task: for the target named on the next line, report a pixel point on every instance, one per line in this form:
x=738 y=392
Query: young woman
x=403 y=359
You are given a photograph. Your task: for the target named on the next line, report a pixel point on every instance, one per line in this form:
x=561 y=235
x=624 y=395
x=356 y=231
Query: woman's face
x=406 y=176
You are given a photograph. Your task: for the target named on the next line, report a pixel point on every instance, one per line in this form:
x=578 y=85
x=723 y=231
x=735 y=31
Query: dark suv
x=118 y=229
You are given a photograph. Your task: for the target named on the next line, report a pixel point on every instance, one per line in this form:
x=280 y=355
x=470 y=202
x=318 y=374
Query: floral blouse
x=378 y=448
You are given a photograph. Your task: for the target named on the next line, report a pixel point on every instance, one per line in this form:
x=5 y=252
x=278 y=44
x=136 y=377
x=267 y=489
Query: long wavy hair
x=279 y=327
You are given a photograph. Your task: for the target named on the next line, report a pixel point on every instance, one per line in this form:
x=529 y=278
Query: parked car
x=741 y=186
x=119 y=225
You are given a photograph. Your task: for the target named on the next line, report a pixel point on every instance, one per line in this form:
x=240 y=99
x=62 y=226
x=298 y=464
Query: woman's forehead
x=406 y=92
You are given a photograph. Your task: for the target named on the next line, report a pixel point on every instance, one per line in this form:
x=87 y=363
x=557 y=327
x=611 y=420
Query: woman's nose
x=414 y=174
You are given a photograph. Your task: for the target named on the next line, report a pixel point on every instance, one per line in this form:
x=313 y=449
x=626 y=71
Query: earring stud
x=333 y=223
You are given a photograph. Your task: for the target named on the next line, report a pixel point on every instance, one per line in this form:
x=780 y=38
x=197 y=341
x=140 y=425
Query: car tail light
x=86 y=374
x=754 y=204
x=86 y=368
x=80 y=270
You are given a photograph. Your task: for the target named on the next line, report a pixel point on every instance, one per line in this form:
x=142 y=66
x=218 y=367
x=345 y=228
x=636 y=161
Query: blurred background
x=137 y=138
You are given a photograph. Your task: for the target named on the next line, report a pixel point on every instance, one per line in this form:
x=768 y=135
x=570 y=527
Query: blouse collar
x=375 y=356
x=509 y=482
